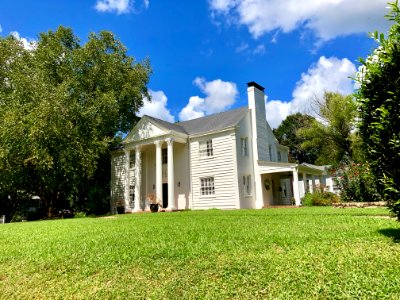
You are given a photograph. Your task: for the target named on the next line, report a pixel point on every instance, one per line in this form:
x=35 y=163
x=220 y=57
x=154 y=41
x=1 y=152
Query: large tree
x=62 y=104
x=286 y=134
x=379 y=105
x=333 y=133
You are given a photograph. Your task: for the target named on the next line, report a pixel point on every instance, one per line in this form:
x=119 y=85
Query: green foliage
x=334 y=134
x=379 y=98
x=61 y=106
x=286 y=135
x=320 y=197
x=356 y=182
x=285 y=253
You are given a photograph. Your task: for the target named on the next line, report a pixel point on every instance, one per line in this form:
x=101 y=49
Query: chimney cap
x=256 y=85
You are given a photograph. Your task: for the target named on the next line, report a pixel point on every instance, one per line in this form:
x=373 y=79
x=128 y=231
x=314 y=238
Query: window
x=270 y=152
x=164 y=156
x=247 y=185
x=206 y=148
x=207 y=186
x=279 y=156
x=245 y=146
x=132 y=158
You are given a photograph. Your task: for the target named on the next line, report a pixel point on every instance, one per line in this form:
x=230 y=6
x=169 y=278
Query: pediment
x=143 y=130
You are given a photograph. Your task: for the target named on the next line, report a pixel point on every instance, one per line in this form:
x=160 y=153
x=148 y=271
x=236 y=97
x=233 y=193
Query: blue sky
x=204 y=52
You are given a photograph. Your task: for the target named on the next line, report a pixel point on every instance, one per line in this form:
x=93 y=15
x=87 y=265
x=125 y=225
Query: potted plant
x=154 y=202
x=120 y=206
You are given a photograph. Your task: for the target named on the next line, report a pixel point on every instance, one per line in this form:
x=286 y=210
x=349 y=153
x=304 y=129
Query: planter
x=120 y=209
x=154 y=207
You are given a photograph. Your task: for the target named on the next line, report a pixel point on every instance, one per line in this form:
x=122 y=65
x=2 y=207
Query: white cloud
x=157 y=107
x=220 y=95
x=121 y=6
x=328 y=74
x=28 y=43
x=327 y=19
x=1 y=29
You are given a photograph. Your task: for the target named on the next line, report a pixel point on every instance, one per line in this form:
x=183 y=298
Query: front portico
x=151 y=156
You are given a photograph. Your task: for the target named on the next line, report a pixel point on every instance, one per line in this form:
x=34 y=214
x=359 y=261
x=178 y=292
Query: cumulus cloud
x=219 y=96
x=328 y=74
x=121 y=6
x=327 y=19
x=157 y=107
x=28 y=43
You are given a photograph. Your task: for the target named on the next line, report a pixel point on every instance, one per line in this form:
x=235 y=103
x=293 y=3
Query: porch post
x=138 y=178
x=158 y=171
x=171 y=182
x=305 y=183
x=312 y=185
x=127 y=179
x=296 y=187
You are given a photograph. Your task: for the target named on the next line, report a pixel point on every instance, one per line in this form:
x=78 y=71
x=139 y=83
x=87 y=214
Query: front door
x=165 y=195
x=285 y=191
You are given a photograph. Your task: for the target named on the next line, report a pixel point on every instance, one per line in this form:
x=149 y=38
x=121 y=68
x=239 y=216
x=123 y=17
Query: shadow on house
x=393 y=233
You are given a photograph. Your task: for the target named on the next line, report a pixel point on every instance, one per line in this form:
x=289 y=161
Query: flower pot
x=154 y=207
x=120 y=209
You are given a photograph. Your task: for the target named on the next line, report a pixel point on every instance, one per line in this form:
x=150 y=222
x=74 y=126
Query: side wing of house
x=213 y=170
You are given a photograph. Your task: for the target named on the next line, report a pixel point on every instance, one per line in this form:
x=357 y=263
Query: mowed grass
x=298 y=253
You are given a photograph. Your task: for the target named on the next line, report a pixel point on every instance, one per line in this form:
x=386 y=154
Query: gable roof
x=206 y=124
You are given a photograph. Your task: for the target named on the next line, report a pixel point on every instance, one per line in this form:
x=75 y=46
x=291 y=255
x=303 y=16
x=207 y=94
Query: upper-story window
x=279 y=156
x=164 y=156
x=245 y=146
x=132 y=158
x=206 y=148
x=270 y=152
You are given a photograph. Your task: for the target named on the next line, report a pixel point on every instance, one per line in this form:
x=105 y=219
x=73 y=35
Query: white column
x=312 y=185
x=138 y=178
x=305 y=183
x=296 y=187
x=127 y=179
x=171 y=182
x=158 y=170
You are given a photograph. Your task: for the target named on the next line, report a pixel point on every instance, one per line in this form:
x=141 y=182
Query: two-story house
x=229 y=160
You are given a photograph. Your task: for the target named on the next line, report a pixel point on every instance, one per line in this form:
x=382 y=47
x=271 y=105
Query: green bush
x=356 y=182
x=320 y=197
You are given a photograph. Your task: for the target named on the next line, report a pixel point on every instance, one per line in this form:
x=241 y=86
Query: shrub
x=356 y=182
x=320 y=197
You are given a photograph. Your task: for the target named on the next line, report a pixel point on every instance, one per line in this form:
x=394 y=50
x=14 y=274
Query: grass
x=306 y=253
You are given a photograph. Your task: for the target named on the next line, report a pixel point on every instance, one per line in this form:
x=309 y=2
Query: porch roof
x=267 y=167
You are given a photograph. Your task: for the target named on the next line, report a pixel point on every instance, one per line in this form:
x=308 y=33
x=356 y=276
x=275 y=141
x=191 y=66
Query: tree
x=286 y=134
x=379 y=105
x=62 y=104
x=334 y=133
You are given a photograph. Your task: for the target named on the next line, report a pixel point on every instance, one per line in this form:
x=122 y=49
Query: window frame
x=245 y=146
x=247 y=186
x=206 y=149
x=207 y=186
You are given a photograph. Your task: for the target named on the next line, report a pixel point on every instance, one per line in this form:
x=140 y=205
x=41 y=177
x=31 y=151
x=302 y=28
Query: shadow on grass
x=393 y=233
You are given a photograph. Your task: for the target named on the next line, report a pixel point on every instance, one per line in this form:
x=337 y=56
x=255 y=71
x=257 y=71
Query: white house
x=229 y=160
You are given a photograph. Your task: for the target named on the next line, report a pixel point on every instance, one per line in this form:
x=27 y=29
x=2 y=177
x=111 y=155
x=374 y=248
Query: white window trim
x=206 y=150
x=200 y=187
x=247 y=185
x=244 y=142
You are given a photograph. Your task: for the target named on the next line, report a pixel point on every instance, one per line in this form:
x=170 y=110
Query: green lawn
x=303 y=253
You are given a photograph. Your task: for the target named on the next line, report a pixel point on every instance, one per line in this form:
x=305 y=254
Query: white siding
x=117 y=178
x=245 y=163
x=221 y=166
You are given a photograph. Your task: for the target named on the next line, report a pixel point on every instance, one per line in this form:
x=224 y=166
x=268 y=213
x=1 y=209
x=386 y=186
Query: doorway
x=165 y=195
